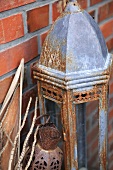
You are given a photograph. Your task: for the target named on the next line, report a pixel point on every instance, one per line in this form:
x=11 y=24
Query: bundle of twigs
x=19 y=164
x=11 y=158
x=10 y=118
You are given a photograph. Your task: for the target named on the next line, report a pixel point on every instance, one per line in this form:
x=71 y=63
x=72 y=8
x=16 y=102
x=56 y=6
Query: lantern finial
x=73 y=6
x=63 y=3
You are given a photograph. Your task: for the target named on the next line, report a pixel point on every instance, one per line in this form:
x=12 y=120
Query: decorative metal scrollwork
x=85 y=96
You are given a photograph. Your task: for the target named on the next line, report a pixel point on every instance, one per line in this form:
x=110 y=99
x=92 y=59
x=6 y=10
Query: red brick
x=95 y=118
x=110 y=44
x=92 y=13
x=38 y=18
x=109 y=129
x=93 y=161
x=2 y=40
x=111 y=102
x=4 y=86
x=93 y=2
x=111 y=147
x=111 y=138
x=83 y=4
x=103 y=12
x=111 y=114
x=111 y=87
x=110 y=10
x=111 y=76
x=94 y=144
x=26 y=96
x=93 y=134
x=107 y=28
x=9 y=4
x=43 y=36
x=91 y=107
x=55 y=12
x=10 y=58
x=111 y=162
x=11 y=28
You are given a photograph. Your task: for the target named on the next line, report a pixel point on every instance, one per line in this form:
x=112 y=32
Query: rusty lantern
x=74 y=68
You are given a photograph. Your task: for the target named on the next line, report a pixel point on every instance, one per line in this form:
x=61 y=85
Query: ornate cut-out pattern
x=40 y=164
x=54 y=93
x=47 y=159
x=85 y=96
x=55 y=163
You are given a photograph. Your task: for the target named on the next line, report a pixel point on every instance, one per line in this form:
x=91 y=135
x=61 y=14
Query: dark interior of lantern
x=54 y=110
x=92 y=134
x=87 y=123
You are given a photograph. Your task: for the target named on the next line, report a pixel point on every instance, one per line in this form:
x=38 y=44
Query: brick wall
x=23 y=28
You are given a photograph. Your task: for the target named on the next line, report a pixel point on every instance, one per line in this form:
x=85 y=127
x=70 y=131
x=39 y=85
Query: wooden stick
x=33 y=149
x=12 y=88
x=27 y=138
x=20 y=113
x=16 y=138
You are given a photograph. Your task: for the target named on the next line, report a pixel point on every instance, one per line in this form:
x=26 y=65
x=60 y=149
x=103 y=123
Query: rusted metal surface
x=72 y=131
x=85 y=95
x=103 y=114
x=47 y=160
x=52 y=92
x=47 y=155
x=49 y=136
x=70 y=58
x=74 y=68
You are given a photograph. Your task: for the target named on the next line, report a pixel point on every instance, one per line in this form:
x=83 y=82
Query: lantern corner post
x=70 y=131
x=103 y=128
x=41 y=98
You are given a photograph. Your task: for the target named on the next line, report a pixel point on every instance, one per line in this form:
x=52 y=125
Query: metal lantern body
x=47 y=160
x=74 y=68
x=47 y=155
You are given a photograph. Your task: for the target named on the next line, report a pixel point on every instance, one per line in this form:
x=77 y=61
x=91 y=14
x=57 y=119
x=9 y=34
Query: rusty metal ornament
x=48 y=160
x=47 y=155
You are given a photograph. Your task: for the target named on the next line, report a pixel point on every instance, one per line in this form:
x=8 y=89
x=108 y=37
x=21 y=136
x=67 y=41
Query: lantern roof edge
x=75 y=79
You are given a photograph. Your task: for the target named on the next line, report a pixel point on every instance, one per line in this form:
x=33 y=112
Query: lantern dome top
x=74 y=43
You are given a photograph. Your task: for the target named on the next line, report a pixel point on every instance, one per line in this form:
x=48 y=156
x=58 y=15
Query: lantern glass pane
x=54 y=110
x=92 y=134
